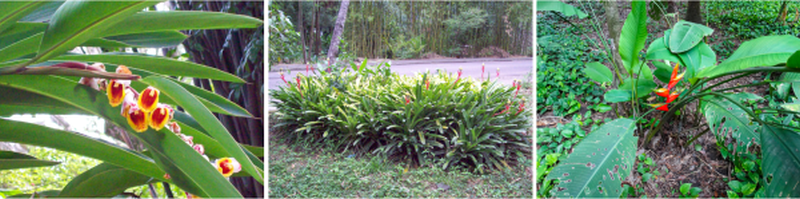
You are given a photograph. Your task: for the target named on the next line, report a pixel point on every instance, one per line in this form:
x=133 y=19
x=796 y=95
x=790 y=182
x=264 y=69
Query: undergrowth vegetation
x=432 y=116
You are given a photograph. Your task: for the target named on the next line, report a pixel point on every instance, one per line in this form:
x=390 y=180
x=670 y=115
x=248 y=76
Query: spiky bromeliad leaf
x=781 y=163
x=599 y=163
x=736 y=121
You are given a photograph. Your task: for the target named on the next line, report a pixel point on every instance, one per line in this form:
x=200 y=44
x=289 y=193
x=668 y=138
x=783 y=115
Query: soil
x=704 y=168
x=493 y=51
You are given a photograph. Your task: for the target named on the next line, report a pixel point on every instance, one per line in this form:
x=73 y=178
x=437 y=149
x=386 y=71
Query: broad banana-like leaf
x=210 y=123
x=598 y=164
x=633 y=36
x=686 y=35
x=103 y=180
x=13 y=160
x=697 y=59
x=781 y=163
x=188 y=169
x=736 y=121
x=794 y=60
x=598 y=72
x=659 y=51
x=762 y=51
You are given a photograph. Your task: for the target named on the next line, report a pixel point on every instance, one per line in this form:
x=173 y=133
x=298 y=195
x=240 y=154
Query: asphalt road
x=510 y=68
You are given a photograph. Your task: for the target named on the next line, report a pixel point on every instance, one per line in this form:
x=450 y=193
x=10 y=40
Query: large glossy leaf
x=633 y=35
x=794 y=60
x=181 y=20
x=598 y=164
x=618 y=95
x=20 y=31
x=781 y=163
x=659 y=51
x=558 y=6
x=11 y=11
x=644 y=86
x=103 y=180
x=21 y=48
x=762 y=51
x=21 y=102
x=790 y=76
x=598 y=72
x=686 y=35
x=76 y=22
x=736 y=123
x=663 y=71
x=188 y=169
x=697 y=59
x=210 y=123
x=140 y=40
x=156 y=64
x=44 y=12
x=12 y=160
x=25 y=133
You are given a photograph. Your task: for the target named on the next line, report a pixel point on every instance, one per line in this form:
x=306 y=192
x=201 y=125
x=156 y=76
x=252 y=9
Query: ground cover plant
x=360 y=109
x=181 y=142
x=666 y=76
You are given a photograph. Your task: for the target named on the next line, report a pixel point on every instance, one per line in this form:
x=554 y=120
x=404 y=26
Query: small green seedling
x=687 y=191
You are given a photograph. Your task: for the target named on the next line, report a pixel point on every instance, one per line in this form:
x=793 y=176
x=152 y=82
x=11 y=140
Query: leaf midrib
x=604 y=160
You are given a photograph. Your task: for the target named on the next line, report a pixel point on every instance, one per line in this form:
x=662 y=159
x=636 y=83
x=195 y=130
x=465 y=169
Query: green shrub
x=466 y=122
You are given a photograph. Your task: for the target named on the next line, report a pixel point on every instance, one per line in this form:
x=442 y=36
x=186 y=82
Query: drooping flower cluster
x=668 y=92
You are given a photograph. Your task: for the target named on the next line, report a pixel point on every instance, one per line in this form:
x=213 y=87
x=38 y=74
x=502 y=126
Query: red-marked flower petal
x=115 y=93
x=160 y=116
x=225 y=166
x=148 y=100
x=663 y=92
x=137 y=119
x=199 y=148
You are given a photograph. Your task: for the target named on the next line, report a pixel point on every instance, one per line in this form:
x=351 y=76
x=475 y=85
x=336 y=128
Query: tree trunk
x=614 y=28
x=317 y=35
x=693 y=13
x=300 y=25
x=333 y=50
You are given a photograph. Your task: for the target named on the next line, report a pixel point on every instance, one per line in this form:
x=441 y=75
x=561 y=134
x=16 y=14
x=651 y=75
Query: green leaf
x=602 y=160
x=140 y=40
x=794 y=60
x=617 y=95
x=736 y=121
x=762 y=51
x=696 y=191
x=685 y=188
x=748 y=189
x=20 y=31
x=795 y=106
x=663 y=71
x=12 y=160
x=189 y=170
x=633 y=35
x=210 y=123
x=143 y=22
x=603 y=107
x=21 y=48
x=559 y=6
x=76 y=22
x=659 y=51
x=643 y=86
x=31 y=134
x=732 y=194
x=781 y=161
x=156 y=64
x=598 y=72
x=686 y=35
x=103 y=180
x=697 y=59
x=11 y=11
x=22 y=102
x=44 y=12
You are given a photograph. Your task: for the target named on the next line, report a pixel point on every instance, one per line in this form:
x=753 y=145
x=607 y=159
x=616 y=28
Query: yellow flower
x=160 y=116
x=115 y=92
x=138 y=119
x=227 y=166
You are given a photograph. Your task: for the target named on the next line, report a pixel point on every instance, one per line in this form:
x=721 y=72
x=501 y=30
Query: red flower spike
x=672 y=96
x=298 y=81
x=498 y=72
x=427 y=85
x=407 y=100
x=517 y=92
x=659 y=106
x=521 y=107
x=306 y=68
x=283 y=78
x=483 y=67
x=663 y=92
x=674 y=81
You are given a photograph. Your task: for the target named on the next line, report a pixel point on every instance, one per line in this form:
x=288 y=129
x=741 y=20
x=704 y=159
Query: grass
x=298 y=171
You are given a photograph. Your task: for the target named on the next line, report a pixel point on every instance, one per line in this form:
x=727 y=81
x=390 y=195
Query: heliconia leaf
x=190 y=171
x=794 y=60
x=213 y=126
x=762 y=51
x=12 y=11
x=76 y=22
x=25 y=133
x=103 y=180
x=659 y=51
x=598 y=164
x=633 y=35
x=13 y=160
x=686 y=35
x=717 y=109
x=143 y=22
x=156 y=64
x=781 y=163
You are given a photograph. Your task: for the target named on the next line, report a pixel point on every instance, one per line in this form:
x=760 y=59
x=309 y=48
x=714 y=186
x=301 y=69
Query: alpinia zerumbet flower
x=227 y=166
x=137 y=119
x=187 y=138
x=148 y=99
x=160 y=116
x=199 y=148
x=115 y=92
x=174 y=127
